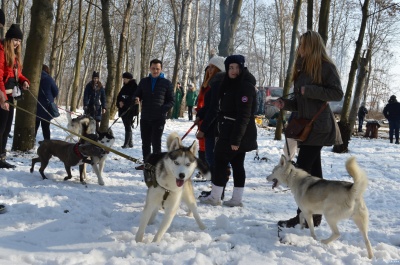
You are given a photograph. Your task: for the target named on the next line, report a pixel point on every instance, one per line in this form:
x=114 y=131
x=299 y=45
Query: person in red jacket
x=11 y=76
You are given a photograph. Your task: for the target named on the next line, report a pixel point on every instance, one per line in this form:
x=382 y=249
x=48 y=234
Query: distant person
x=178 y=101
x=362 y=111
x=191 y=98
x=392 y=114
x=12 y=78
x=48 y=91
x=127 y=108
x=261 y=97
x=94 y=99
x=157 y=96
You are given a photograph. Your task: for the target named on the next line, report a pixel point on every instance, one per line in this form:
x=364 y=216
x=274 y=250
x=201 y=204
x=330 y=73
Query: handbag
x=299 y=128
x=52 y=108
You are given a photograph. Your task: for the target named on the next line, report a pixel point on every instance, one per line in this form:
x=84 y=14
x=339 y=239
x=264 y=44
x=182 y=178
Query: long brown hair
x=314 y=54
x=12 y=54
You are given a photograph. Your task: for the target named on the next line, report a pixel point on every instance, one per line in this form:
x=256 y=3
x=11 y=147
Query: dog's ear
x=173 y=142
x=194 y=148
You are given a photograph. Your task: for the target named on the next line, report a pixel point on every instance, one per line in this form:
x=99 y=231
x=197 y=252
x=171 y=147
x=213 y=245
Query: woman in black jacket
x=237 y=132
x=127 y=108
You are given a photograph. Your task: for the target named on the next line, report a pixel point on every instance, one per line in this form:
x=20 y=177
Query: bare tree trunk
x=310 y=12
x=111 y=67
x=344 y=125
x=79 y=54
x=324 y=19
x=279 y=12
x=229 y=18
x=297 y=9
x=56 y=37
x=196 y=66
x=20 y=12
x=24 y=130
x=120 y=58
x=186 y=53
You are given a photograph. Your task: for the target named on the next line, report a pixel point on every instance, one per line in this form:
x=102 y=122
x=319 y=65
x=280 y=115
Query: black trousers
x=151 y=133
x=45 y=128
x=127 y=121
x=6 y=119
x=221 y=162
x=190 y=113
x=309 y=159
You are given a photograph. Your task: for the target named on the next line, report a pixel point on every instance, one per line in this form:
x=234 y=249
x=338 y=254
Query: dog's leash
x=125 y=112
x=81 y=136
x=183 y=137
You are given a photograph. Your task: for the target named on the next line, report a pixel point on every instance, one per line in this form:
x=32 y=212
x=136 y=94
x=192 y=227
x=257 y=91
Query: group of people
x=191 y=99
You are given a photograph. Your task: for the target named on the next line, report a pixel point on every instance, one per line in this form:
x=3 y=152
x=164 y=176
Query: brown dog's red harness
x=76 y=151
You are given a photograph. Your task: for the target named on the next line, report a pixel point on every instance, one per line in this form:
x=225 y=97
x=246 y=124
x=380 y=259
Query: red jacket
x=7 y=72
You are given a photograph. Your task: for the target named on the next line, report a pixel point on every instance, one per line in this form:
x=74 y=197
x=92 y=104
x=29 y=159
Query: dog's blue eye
x=176 y=163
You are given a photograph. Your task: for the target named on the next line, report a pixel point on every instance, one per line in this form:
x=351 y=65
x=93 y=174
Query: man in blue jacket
x=157 y=96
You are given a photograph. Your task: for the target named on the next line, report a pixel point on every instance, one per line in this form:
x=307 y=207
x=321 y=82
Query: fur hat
x=127 y=75
x=218 y=61
x=2 y=17
x=95 y=74
x=14 y=32
x=239 y=59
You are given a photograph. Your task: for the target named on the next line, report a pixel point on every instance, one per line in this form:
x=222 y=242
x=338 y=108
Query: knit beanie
x=218 y=61
x=95 y=74
x=14 y=32
x=239 y=59
x=2 y=17
x=127 y=75
x=392 y=99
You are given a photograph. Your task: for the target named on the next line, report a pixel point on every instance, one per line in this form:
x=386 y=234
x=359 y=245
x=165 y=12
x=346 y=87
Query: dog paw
x=101 y=183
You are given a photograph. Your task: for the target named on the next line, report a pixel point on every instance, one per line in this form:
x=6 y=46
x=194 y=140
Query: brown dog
x=69 y=153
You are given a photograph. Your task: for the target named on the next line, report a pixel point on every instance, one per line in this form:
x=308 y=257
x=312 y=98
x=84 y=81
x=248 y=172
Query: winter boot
x=4 y=163
x=2 y=208
x=205 y=193
x=130 y=143
x=236 y=198
x=292 y=222
x=214 y=198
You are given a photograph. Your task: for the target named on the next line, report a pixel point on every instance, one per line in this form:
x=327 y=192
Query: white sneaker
x=210 y=200
x=233 y=203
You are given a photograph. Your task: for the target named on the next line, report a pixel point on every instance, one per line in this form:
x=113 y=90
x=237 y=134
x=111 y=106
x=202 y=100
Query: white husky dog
x=336 y=200
x=168 y=177
x=82 y=125
x=106 y=139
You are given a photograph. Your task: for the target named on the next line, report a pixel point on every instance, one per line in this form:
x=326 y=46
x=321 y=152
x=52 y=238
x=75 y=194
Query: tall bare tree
x=24 y=129
x=229 y=19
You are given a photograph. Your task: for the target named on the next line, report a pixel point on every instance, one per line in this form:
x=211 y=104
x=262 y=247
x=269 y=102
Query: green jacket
x=191 y=96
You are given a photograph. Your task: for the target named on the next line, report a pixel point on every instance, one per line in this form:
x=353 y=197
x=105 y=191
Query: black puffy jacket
x=238 y=103
x=126 y=96
x=155 y=103
x=392 y=111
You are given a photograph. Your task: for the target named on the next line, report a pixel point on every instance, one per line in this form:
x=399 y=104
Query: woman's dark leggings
x=309 y=159
x=221 y=162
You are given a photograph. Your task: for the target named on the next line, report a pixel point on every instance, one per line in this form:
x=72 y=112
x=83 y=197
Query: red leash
x=183 y=137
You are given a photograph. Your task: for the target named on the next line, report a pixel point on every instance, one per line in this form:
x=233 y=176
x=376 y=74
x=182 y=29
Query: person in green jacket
x=191 y=98
x=178 y=101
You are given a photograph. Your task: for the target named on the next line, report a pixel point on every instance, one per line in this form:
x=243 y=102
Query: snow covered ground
x=64 y=222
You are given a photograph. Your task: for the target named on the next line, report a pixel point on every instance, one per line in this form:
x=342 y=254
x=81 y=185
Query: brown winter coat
x=325 y=131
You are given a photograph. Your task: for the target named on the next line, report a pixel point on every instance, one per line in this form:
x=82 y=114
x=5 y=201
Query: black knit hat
x=95 y=74
x=239 y=59
x=14 y=32
x=2 y=17
x=392 y=99
x=127 y=75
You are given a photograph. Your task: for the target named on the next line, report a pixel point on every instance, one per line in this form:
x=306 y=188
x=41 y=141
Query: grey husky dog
x=168 y=177
x=336 y=200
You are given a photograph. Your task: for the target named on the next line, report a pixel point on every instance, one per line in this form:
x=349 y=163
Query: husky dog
x=106 y=139
x=168 y=177
x=82 y=125
x=336 y=200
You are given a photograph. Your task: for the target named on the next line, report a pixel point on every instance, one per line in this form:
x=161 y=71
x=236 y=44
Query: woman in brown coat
x=316 y=81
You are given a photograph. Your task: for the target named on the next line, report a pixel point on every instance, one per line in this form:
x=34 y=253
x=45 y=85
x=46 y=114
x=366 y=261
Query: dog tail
x=204 y=169
x=359 y=176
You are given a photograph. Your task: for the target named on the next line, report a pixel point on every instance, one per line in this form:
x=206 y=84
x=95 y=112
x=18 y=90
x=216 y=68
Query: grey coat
x=325 y=131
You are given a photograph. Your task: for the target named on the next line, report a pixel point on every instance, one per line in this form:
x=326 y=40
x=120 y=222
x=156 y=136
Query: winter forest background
x=77 y=37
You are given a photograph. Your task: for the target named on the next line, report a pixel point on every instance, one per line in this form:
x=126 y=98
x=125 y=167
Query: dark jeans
x=151 y=133
x=394 y=129
x=6 y=119
x=190 y=112
x=360 y=123
x=45 y=128
x=309 y=159
x=221 y=162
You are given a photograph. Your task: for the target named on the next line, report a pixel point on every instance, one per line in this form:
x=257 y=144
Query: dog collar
x=76 y=151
